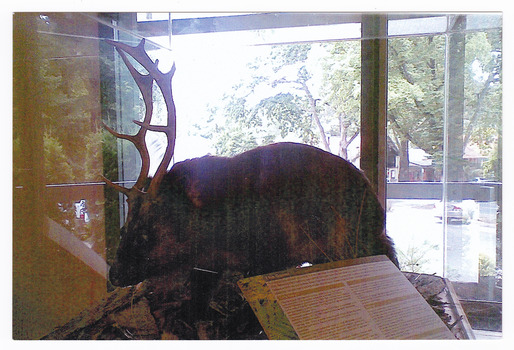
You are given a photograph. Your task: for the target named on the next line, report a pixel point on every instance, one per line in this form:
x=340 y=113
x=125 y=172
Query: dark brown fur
x=264 y=210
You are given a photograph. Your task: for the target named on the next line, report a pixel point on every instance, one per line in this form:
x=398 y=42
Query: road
x=419 y=239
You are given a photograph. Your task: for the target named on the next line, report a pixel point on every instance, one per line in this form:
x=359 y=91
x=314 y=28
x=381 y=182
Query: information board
x=366 y=298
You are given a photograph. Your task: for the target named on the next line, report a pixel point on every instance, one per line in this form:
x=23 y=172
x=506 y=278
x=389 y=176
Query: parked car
x=460 y=212
x=81 y=211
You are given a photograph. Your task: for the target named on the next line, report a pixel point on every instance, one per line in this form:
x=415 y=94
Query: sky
x=209 y=65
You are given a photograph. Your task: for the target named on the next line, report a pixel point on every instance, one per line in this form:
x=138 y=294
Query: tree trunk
x=455 y=115
x=315 y=116
x=343 y=142
x=403 y=172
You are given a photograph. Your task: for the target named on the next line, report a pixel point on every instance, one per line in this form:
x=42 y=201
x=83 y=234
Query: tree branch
x=474 y=117
x=314 y=113
x=312 y=105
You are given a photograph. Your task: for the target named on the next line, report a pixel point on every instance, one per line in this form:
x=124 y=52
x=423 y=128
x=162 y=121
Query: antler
x=145 y=84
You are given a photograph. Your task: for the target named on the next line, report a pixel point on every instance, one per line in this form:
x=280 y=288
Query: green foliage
x=492 y=166
x=483 y=109
x=75 y=149
x=291 y=105
x=485 y=266
x=342 y=92
x=298 y=106
x=66 y=109
x=284 y=110
x=342 y=76
x=415 y=258
x=281 y=113
x=57 y=166
x=237 y=142
x=287 y=55
x=416 y=92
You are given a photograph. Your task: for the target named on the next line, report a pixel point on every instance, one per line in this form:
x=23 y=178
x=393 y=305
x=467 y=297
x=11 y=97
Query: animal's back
x=277 y=206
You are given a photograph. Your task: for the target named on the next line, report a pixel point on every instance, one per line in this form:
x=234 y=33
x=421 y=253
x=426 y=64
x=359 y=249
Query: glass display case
x=414 y=100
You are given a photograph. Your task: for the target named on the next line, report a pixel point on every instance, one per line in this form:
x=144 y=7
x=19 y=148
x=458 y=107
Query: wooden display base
x=179 y=307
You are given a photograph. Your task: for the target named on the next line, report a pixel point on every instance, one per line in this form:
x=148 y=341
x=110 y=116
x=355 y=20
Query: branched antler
x=145 y=84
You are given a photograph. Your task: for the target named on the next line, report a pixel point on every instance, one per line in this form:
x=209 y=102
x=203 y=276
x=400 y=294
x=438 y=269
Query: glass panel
x=59 y=216
x=283 y=80
x=66 y=223
x=444 y=158
x=415 y=145
x=415 y=26
x=244 y=94
x=473 y=159
x=69 y=78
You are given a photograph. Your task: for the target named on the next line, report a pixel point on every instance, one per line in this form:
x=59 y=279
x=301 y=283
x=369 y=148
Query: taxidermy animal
x=267 y=209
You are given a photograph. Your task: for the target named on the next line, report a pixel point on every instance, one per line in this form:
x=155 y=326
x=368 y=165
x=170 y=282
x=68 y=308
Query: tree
x=416 y=94
x=311 y=93
x=67 y=112
x=67 y=80
x=268 y=106
x=483 y=110
x=282 y=101
x=55 y=159
x=342 y=88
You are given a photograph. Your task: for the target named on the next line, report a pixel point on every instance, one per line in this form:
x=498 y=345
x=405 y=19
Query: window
x=444 y=169
x=245 y=80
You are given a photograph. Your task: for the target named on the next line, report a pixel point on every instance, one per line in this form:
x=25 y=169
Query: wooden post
x=374 y=101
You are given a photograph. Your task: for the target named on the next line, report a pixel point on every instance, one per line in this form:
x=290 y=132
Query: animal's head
x=131 y=264
x=140 y=243
x=147 y=242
